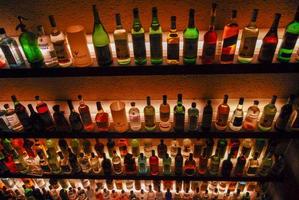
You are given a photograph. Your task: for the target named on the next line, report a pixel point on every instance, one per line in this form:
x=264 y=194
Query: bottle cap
x=2 y=31
x=14 y=98
x=52 y=20
x=193 y=105
x=241 y=100
x=256 y=102
x=133 y=103
x=80 y=97
x=56 y=108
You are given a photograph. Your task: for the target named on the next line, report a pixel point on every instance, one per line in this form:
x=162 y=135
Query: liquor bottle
x=210 y=40
x=235 y=123
x=240 y=165
x=187 y=147
x=86 y=147
x=135 y=147
x=74 y=118
x=64 y=163
x=222 y=115
x=253 y=165
x=61 y=123
x=166 y=164
x=246 y=147
x=227 y=167
x=285 y=114
x=162 y=149
x=29 y=45
x=36 y=120
x=134 y=116
x=149 y=116
x=193 y=113
x=11 y=50
x=207 y=116
x=130 y=164
x=174 y=147
x=22 y=113
x=179 y=115
x=60 y=44
x=46 y=48
x=116 y=162
x=248 y=40
x=190 y=35
x=165 y=124
x=13 y=119
x=123 y=146
x=85 y=114
x=155 y=35
x=138 y=39
x=293 y=123
x=121 y=42
x=209 y=146
x=101 y=118
x=111 y=147
x=173 y=43
x=250 y=122
x=53 y=163
x=203 y=162
x=234 y=147
x=269 y=42
x=265 y=123
x=106 y=165
x=101 y=41
x=197 y=149
x=258 y=146
x=289 y=39
x=142 y=168
x=99 y=148
x=190 y=166
x=44 y=113
x=230 y=37
x=266 y=165
x=221 y=147
x=154 y=164
x=214 y=164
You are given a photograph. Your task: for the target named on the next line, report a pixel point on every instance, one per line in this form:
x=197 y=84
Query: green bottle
x=138 y=39
x=29 y=45
x=149 y=116
x=179 y=115
x=155 y=35
x=269 y=112
x=190 y=40
x=289 y=40
x=101 y=41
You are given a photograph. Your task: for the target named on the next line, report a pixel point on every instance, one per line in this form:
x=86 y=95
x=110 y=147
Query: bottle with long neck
x=285 y=114
x=155 y=35
x=222 y=114
x=190 y=34
x=22 y=113
x=179 y=114
x=102 y=118
x=13 y=119
x=62 y=124
x=289 y=39
x=210 y=40
x=85 y=114
x=74 y=118
x=121 y=42
x=248 y=40
x=269 y=112
x=138 y=39
x=250 y=121
x=269 y=42
x=165 y=124
x=193 y=114
x=60 y=44
x=179 y=161
x=149 y=116
x=207 y=116
x=101 y=41
x=230 y=37
x=43 y=111
x=235 y=123
x=173 y=43
x=36 y=120
x=29 y=45
x=11 y=50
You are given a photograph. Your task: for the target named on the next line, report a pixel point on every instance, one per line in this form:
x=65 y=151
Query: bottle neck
x=118 y=22
x=275 y=23
x=212 y=22
x=191 y=20
x=155 y=22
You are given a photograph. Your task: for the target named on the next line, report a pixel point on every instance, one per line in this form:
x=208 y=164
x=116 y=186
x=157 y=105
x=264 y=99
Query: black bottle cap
x=193 y=105
x=153 y=152
x=254 y=14
x=234 y=13
x=99 y=105
x=180 y=97
x=209 y=102
x=154 y=11
x=133 y=104
x=2 y=31
x=56 y=108
x=52 y=20
x=135 y=13
x=6 y=106
x=164 y=99
x=225 y=98
x=117 y=19
x=274 y=97
x=241 y=100
x=80 y=97
x=37 y=98
x=256 y=102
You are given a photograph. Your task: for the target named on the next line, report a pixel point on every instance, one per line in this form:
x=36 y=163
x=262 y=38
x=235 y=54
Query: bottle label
x=173 y=51
x=103 y=54
x=122 y=48
x=229 y=48
x=149 y=120
x=238 y=121
x=222 y=119
x=209 y=50
x=247 y=50
x=103 y=121
x=13 y=120
x=134 y=118
x=251 y=170
x=190 y=48
x=267 y=52
x=139 y=46
x=156 y=46
x=164 y=116
x=267 y=120
x=61 y=51
x=48 y=52
x=12 y=54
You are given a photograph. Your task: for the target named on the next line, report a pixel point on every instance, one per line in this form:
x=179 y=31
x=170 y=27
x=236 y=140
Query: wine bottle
x=22 y=113
x=173 y=43
x=74 y=118
x=155 y=35
x=43 y=111
x=179 y=115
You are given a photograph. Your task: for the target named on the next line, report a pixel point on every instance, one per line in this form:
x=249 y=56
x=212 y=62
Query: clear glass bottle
x=135 y=147
x=187 y=147
x=85 y=114
x=13 y=119
x=285 y=114
x=253 y=165
x=173 y=43
x=155 y=35
x=193 y=113
x=269 y=112
x=74 y=118
x=207 y=116
x=116 y=162
x=250 y=121
x=165 y=124
x=190 y=166
x=174 y=147
x=214 y=164
x=222 y=115
x=235 y=123
x=102 y=118
x=142 y=166
x=84 y=163
x=166 y=164
x=179 y=115
x=149 y=116
x=134 y=116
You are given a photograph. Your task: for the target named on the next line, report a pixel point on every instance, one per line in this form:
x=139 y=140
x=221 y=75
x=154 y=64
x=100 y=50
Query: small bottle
x=64 y=164
x=179 y=115
x=222 y=115
x=36 y=120
x=193 y=113
x=174 y=147
x=62 y=124
x=269 y=112
x=246 y=147
x=162 y=149
x=227 y=167
x=214 y=164
x=134 y=116
x=116 y=162
x=142 y=168
x=123 y=146
x=155 y=36
x=240 y=165
x=149 y=116
x=234 y=146
x=187 y=147
x=173 y=43
x=203 y=163
x=252 y=166
x=235 y=123
x=135 y=147
x=207 y=116
x=130 y=164
x=74 y=118
x=190 y=166
x=165 y=124
x=197 y=149
x=44 y=113
x=102 y=118
x=154 y=164
x=221 y=147
x=106 y=165
x=166 y=164
x=13 y=119
x=285 y=114
x=84 y=163
x=179 y=161
x=85 y=114
x=266 y=165
x=111 y=147
x=250 y=121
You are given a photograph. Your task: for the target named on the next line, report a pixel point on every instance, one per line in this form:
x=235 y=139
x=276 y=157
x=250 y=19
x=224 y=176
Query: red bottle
x=123 y=147
x=102 y=118
x=9 y=163
x=234 y=146
x=43 y=111
x=18 y=144
x=85 y=115
x=154 y=164
x=190 y=166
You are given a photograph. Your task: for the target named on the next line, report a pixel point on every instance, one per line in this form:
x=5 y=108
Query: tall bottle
x=214 y=164
x=207 y=116
x=173 y=43
x=222 y=114
x=142 y=168
x=154 y=164
x=74 y=118
x=13 y=119
x=101 y=41
x=250 y=121
x=190 y=166
x=149 y=115
x=210 y=40
x=193 y=113
x=22 y=113
x=270 y=41
x=190 y=34
x=62 y=124
x=179 y=161
x=36 y=120
x=60 y=44
x=85 y=114
x=11 y=50
x=167 y=164
x=248 y=40
x=155 y=35
x=29 y=45
x=285 y=114
x=289 y=39
x=134 y=116
x=235 y=123
x=227 y=167
x=138 y=39
x=102 y=118
x=43 y=111
x=165 y=124
x=230 y=37
x=179 y=114
x=269 y=112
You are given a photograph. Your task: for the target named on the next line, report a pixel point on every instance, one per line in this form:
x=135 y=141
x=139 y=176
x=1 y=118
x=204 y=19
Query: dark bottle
x=269 y=42
x=155 y=35
x=239 y=168
x=209 y=146
x=36 y=120
x=28 y=144
x=190 y=166
x=44 y=113
x=234 y=146
x=203 y=162
x=227 y=167
x=64 y=164
x=179 y=115
x=43 y=163
x=99 y=148
x=168 y=195
x=73 y=162
x=22 y=114
x=111 y=147
x=162 y=149
x=130 y=164
x=61 y=123
x=178 y=165
x=173 y=43
x=106 y=165
x=285 y=114
x=207 y=116
x=74 y=118
x=86 y=146
x=154 y=164
x=221 y=147
x=85 y=114
x=62 y=143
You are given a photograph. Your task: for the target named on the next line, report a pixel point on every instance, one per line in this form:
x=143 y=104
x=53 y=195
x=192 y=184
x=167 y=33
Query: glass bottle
x=13 y=119
x=222 y=115
x=64 y=164
x=123 y=146
x=101 y=118
x=240 y=165
x=84 y=163
x=61 y=123
x=116 y=161
x=74 y=118
x=234 y=146
x=203 y=162
x=73 y=162
x=258 y=146
x=289 y=39
x=130 y=164
x=230 y=37
x=75 y=146
x=179 y=161
x=121 y=42
x=111 y=147
x=174 y=147
x=85 y=114
x=179 y=115
x=246 y=147
x=29 y=45
x=165 y=124
x=173 y=43
x=198 y=146
x=60 y=44
x=11 y=50
x=101 y=41
x=193 y=113
x=142 y=168
x=4 y=124
x=269 y=111
x=53 y=163
x=250 y=121
x=162 y=149
x=293 y=123
x=86 y=147
x=44 y=113
x=106 y=165
x=285 y=114
x=155 y=35
x=207 y=116
x=187 y=147
x=221 y=147
x=235 y=123
x=135 y=147
x=154 y=164
x=190 y=35
x=36 y=120
x=214 y=164
x=149 y=116
x=266 y=165
x=138 y=39
x=99 y=148
x=248 y=40
x=210 y=40
x=46 y=48
x=190 y=166
x=270 y=41
x=134 y=116
x=227 y=167
x=253 y=165
x=166 y=164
